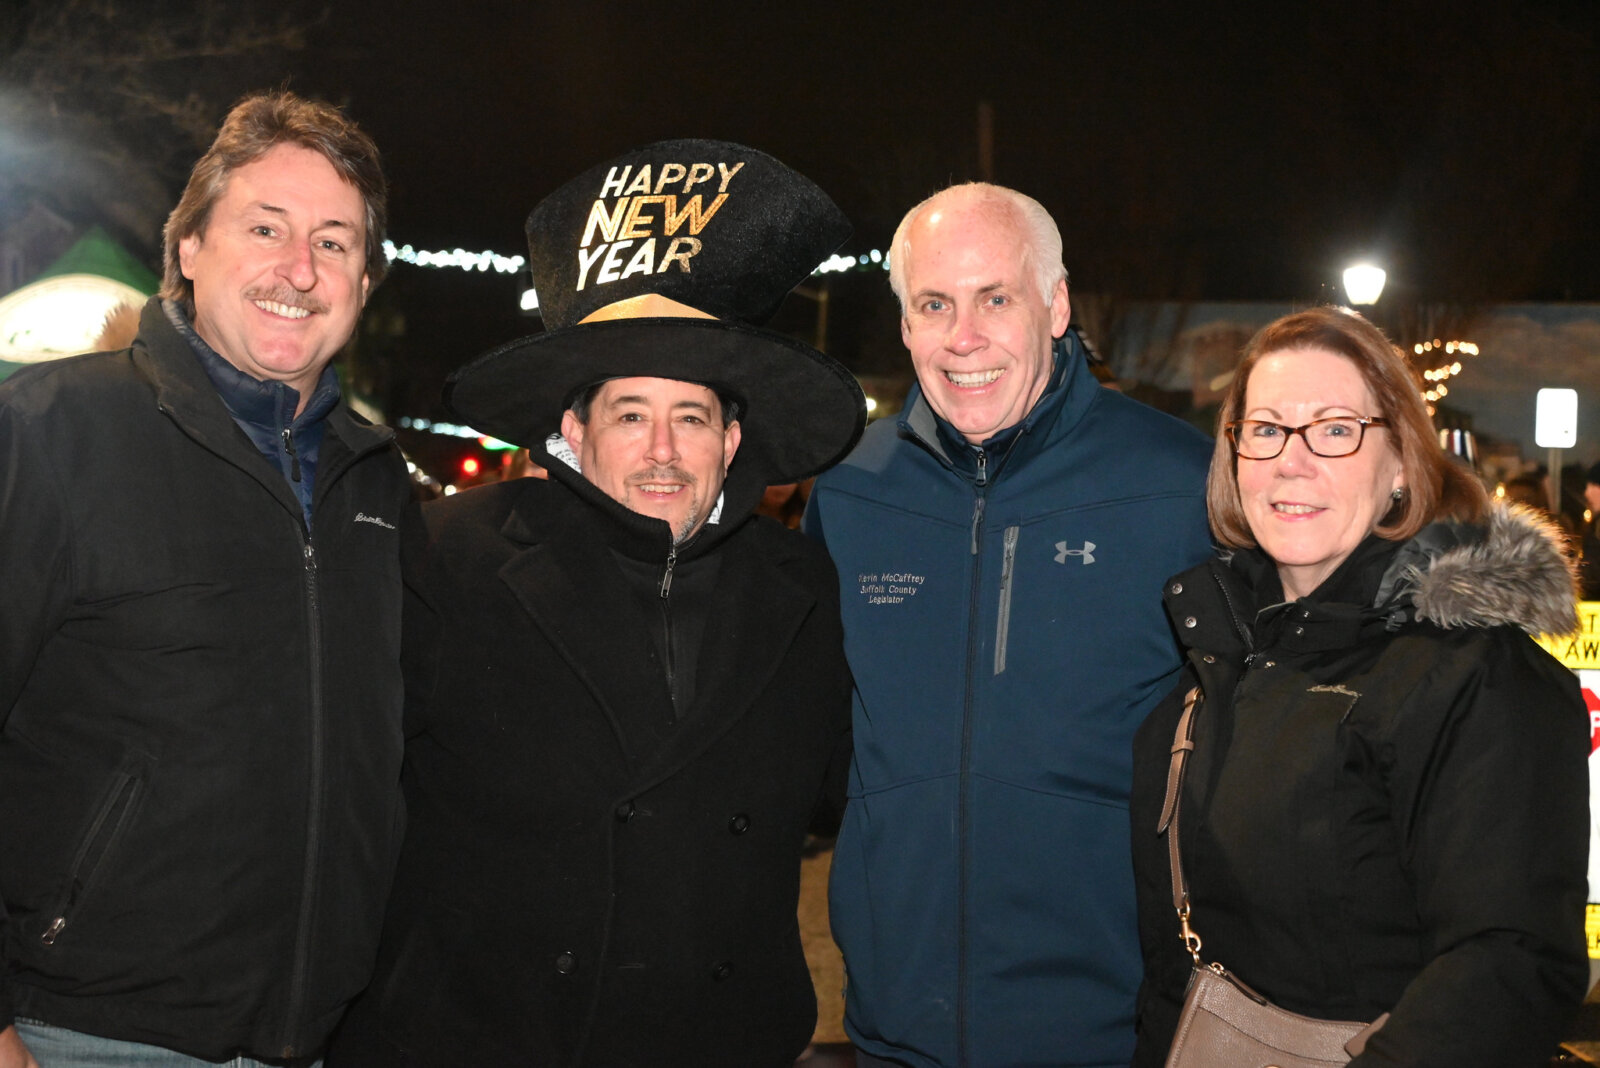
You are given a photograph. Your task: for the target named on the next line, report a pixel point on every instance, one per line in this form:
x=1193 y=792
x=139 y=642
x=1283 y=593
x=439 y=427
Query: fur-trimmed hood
x=1510 y=571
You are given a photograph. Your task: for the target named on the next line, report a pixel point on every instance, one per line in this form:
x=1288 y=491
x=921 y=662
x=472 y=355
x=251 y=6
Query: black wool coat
x=585 y=881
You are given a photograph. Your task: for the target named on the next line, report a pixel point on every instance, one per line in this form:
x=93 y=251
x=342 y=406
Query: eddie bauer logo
x=362 y=517
x=645 y=210
x=1062 y=552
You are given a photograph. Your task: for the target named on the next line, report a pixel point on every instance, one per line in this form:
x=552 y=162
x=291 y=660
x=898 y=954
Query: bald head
x=1025 y=217
x=976 y=316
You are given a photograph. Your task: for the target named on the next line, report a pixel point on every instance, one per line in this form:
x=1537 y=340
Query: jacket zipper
x=963 y=859
x=666 y=620
x=1239 y=625
x=298 y=976
x=1002 y=630
x=666 y=576
x=114 y=811
x=294 y=457
x=301 y=966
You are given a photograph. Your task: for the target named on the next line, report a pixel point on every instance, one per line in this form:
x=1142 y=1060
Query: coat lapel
x=756 y=612
x=574 y=593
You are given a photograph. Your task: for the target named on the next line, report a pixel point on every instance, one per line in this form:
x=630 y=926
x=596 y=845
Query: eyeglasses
x=1254 y=439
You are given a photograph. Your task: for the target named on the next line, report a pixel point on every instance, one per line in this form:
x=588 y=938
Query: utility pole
x=985 y=141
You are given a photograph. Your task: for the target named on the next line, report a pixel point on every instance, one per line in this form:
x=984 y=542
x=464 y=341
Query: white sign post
x=1555 y=427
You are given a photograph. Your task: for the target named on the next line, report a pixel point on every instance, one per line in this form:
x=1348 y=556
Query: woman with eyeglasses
x=1386 y=806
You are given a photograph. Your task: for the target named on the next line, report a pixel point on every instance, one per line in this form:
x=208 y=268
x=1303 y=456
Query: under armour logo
x=1062 y=552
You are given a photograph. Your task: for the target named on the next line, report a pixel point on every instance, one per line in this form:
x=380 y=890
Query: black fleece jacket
x=200 y=750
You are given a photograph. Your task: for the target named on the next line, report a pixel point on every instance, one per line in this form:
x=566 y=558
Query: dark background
x=1189 y=151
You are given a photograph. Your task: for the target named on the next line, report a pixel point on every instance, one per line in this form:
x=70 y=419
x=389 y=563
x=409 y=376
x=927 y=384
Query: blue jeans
x=57 y=1047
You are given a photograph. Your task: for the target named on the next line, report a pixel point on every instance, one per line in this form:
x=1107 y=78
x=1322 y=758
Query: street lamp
x=1363 y=283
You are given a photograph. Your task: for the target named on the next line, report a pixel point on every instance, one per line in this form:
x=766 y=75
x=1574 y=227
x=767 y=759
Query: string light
x=485 y=261
x=466 y=261
x=529 y=301
x=451 y=430
x=1445 y=371
x=838 y=263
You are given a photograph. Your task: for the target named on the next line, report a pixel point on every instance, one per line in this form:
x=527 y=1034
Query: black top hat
x=661 y=263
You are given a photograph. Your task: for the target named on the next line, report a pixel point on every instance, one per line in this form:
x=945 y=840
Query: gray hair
x=1041 y=250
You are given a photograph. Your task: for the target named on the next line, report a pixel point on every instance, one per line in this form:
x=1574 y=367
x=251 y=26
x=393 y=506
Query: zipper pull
x=54 y=930
x=294 y=461
x=983 y=465
x=666 y=577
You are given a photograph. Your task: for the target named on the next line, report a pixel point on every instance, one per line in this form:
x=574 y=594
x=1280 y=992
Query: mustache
x=663 y=474
x=286 y=294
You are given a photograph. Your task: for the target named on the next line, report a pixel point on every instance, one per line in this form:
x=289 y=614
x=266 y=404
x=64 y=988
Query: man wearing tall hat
x=628 y=699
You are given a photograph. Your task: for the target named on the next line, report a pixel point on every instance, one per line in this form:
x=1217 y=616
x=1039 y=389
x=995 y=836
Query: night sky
x=1209 y=150
x=1189 y=151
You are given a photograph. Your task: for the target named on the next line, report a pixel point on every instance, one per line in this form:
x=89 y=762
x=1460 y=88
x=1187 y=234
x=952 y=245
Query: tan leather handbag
x=1225 y=1024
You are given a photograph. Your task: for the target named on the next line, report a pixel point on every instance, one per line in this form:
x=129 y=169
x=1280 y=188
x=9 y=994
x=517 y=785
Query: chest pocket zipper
x=104 y=831
x=1008 y=566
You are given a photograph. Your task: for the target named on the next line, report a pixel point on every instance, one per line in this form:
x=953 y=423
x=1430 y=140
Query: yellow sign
x=1591 y=930
x=1579 y=650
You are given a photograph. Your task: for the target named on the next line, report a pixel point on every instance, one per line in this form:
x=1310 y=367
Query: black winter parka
x=1387 y=804
x=199 y=801
x=588 y=879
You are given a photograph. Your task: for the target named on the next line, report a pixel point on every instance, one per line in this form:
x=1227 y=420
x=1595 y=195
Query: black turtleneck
x=677 y=617
x=672 y=585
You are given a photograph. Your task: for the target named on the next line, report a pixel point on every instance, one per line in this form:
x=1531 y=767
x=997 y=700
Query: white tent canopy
x=59 y=316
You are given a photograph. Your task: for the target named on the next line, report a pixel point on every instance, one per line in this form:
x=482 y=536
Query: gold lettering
x=587 y=261
x=614 y=182
x=727 y=175
x=612 y=264
x=689 y=246
x=636 y=224
x=607 y=223
x=691 y=211
x=670 y=172
x=643 y=260
x=641 y=183
x=698 y=172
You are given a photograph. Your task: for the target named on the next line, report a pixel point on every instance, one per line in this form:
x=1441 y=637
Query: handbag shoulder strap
x=1182 y=746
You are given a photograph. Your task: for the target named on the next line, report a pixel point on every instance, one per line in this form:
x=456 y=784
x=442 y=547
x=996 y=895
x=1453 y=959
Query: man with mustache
x=627 y=699
x=199 y=655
